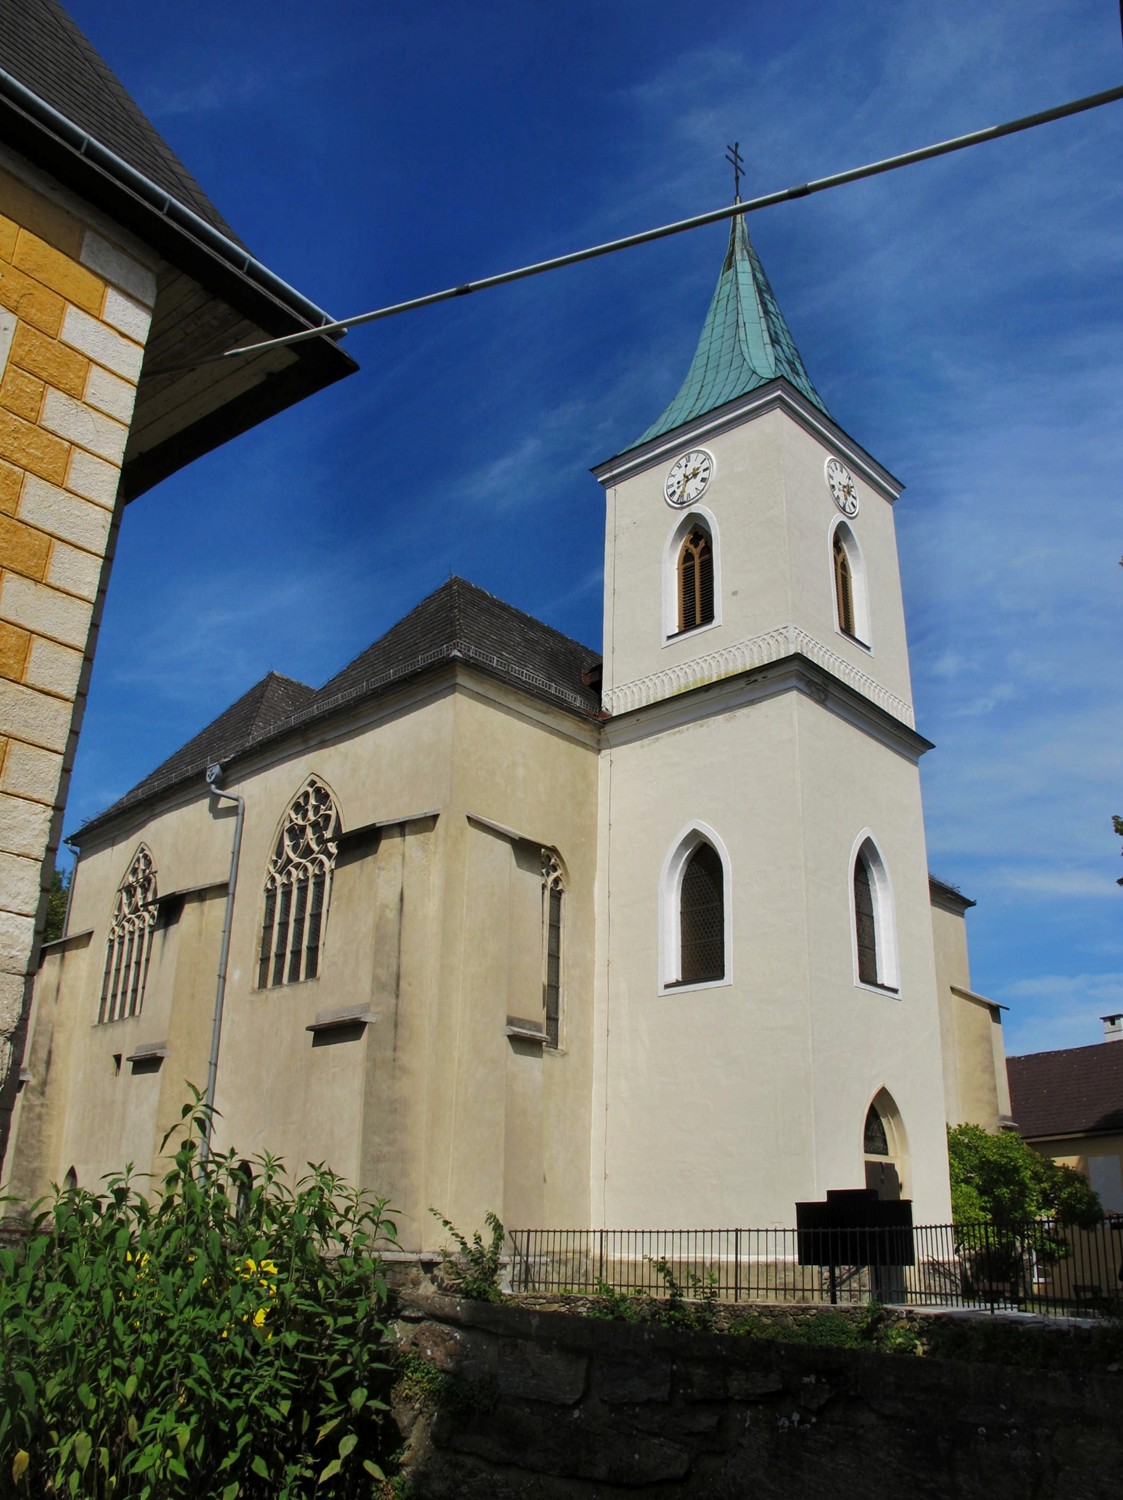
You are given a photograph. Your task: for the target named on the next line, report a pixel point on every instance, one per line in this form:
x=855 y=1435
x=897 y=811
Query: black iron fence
x=1040 y=1267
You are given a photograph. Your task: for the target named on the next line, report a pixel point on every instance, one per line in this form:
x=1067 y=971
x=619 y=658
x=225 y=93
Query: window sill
x=687 y=987
x=680 y=635
x=525 y=1031
x=855 y=640
x=351 y=1016
x=878 y=989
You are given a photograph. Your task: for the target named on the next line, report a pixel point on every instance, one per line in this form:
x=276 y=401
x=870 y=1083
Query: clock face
x=842 y=487
x=688 y=477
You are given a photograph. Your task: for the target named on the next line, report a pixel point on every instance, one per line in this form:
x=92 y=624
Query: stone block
x=127 y=315
x=22 y=394
x=83 y=523
x=93 y=478
x=110 y=394
x=45 y=264
x=752 y=1385
x=101 y=343
x=51 y=361
x=31 y=772
x=24 y=827
x=32 y=301
x=9 y=229
x=44 y=611
x=11 y=996
x=632 y=1382
x=14 y=646
x=54 y=668
x=80 y=424
x=19 y=882
x=76 y=572
x=30 y=210
x=537 y=1372
x=33 y=717
x=11 y=482
x=121 y=269
x=30 y=447
x=23 y=548
x=702 y=1382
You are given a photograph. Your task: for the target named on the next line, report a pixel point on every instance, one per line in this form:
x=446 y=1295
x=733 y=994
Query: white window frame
x=698 y=515
x=859 y=587
x=670 y=898
x=884 y=916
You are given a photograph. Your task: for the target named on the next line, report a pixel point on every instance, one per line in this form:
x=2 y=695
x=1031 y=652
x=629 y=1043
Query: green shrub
x=217 y=1339
x=473 y=1269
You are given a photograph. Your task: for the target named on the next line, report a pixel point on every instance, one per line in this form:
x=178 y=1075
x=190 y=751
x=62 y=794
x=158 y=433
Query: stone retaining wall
x=513 y=1401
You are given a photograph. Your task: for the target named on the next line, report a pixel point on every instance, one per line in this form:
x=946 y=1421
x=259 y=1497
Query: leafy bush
x=473 y=1269
x=999 y=1179
x=221 y=1339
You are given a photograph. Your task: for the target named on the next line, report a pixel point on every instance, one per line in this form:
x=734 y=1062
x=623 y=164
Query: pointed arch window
x=843 y=587
x=553 y=911
x=702 y=917
x=129 y=945
x=875 y=940
x=298 y=888
x=696 y=579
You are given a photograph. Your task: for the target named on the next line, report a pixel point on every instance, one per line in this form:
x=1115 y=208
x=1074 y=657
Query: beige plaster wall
x=976 y=1090
x=1098 y=1157
x=433 y=933
x=74 y=316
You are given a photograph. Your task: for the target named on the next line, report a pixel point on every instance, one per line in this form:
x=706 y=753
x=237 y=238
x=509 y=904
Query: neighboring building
x=1069 y=1105
x=975 y=1088
x=647 y=942
x=117 y=276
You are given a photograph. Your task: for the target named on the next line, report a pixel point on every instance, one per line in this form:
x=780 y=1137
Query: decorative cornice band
x=745 y=656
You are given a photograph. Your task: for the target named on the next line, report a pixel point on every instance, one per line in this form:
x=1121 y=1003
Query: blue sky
x=962 y=318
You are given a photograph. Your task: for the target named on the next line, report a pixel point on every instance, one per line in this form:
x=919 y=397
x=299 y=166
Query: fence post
x=737 y=1265
x=600 y=1258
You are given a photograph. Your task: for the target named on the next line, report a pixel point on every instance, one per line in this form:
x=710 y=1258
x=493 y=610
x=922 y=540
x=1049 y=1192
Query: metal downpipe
x=214 y=776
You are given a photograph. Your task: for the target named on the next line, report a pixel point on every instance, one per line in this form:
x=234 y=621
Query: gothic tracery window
x=129 y=945
x=297 y=889
x=696 y=580
x=553 y=900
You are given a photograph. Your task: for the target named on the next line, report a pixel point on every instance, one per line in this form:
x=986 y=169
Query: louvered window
x=553 y=901
x=702 y=917
x=864 y=921
x=843 y=587
x=129 y=945
x=297 y=889
x=696 y=580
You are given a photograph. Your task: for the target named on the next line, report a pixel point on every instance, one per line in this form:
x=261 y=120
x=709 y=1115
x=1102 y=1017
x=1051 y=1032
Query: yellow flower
x=259 y=1318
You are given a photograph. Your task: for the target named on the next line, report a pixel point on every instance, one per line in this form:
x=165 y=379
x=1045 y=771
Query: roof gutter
x=158 y=198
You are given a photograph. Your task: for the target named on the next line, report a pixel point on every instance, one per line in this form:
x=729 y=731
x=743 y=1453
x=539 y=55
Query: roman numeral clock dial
x=688 y=477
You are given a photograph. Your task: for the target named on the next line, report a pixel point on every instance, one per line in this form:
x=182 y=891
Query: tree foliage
x=56 y=905
x=219 y=1339
x=999 y=1179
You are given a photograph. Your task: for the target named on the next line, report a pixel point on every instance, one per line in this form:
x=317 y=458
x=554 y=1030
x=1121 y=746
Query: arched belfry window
x=850 y=601
x=696 y=579
x=298 y=888
x=553 y=906
x=875 y=937
x=129 y=945
x=843 y=587
x=695 y=912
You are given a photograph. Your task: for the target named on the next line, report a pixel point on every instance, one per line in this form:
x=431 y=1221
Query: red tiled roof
x=1076 y=1091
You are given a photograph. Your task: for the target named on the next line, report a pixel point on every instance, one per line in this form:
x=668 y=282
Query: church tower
x=767 y=1022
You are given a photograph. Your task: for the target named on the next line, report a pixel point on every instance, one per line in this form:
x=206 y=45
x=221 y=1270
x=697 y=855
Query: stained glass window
x=297 y=889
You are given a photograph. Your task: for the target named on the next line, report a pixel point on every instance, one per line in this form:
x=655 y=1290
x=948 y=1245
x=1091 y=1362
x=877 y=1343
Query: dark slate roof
x=457 y=622
x=273 y=700
x=1076 y=1091
x=42 y=47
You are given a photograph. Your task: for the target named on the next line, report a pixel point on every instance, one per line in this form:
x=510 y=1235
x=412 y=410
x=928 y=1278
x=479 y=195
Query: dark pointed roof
x=457 y=622
x=1074 y=1091
x=745 y=342
x=44 y=49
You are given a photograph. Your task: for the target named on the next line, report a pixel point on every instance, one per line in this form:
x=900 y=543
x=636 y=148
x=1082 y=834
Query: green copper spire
x=745 y=342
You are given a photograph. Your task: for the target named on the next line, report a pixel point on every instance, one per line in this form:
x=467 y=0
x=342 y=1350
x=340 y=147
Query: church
x=493 y=921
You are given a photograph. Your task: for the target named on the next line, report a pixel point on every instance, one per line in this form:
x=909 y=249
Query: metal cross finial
x=734 y=158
